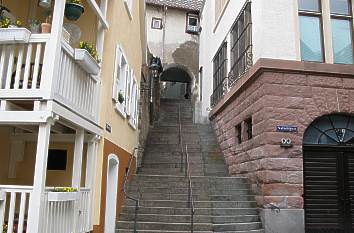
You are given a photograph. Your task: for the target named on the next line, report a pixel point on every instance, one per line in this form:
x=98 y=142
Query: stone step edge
x=188 y=215
x=164 y=231
x=188 y=223
x=180 y=201
x=176 y=176
x=178 y=208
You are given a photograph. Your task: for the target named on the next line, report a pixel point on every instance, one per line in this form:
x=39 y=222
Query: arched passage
x=178 y=82
x=328 y=152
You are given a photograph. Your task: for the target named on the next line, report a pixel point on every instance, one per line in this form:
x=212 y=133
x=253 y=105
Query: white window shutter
x=137 y=98
x=116 y=75
x=129 y=92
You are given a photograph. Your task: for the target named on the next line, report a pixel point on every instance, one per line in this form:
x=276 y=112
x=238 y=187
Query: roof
x=195 y=5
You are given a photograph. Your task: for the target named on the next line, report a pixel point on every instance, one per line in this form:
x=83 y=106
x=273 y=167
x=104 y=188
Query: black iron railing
x=241 y=57
x=185 y=163
x=219 y=92
x=127 y=196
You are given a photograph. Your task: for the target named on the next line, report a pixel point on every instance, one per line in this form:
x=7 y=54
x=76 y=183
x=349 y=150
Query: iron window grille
x=220 y=74
x=241 y=45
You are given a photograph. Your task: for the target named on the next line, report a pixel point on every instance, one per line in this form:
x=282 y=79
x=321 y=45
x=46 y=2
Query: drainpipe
x=164 y=32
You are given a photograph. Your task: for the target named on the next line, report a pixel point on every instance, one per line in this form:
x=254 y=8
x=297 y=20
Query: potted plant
x=11 y=33
x=74 y=9
x=35 y=26
x=47 y=26
x=121 y=97
x=87 y=58
x=63 y=194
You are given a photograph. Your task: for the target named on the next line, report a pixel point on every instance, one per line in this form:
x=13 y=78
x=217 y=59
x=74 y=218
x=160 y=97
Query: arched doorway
x=178 y=82
x=111 y=194
x=329 y=175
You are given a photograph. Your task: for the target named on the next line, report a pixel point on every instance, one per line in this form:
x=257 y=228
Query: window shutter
x=130 y=83
x=128 y=91
x=116 y=75
x=137 y=98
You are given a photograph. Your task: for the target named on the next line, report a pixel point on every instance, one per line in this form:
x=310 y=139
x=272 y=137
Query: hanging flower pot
x=73 y=10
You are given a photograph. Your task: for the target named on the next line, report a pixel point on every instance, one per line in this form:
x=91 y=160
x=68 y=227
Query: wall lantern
x=155 y=67
x=45 y=3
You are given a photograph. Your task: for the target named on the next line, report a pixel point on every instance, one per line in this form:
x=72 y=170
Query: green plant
x=120 y=97
x=35 y=22
x=65 y=189
x=5 y=23
x=18 y=23
x=75 y=1
x=89 y=47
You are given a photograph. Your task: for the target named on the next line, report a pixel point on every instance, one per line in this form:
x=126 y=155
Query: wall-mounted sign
x=287 y=129
x=108 y=128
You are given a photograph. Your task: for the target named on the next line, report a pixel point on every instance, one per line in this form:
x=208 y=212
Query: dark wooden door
x=329 y=190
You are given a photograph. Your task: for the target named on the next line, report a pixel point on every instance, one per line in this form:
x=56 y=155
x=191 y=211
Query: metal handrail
x=187 y=167
x=125 y=191
x=190 y=189
x=180 y=136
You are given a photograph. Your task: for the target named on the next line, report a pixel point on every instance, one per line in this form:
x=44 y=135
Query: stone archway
x=179 y=82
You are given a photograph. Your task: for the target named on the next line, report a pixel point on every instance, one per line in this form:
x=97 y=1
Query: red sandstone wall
x=274 y=98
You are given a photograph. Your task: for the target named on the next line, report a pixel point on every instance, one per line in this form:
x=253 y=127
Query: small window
x=238 y=132
x=121 y=82
x=311 y=36
x=57 y=160
x=342 y=31
x=192 y=23
x=156 y=23
x=248 y=126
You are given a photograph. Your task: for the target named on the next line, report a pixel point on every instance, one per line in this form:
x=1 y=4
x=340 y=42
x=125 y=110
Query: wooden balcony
x=22 y=76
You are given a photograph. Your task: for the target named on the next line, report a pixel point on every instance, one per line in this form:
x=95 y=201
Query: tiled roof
x=195 y=5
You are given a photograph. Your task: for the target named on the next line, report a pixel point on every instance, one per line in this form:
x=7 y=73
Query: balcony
x=63 y=212
x=21 y=69
x=45 y=67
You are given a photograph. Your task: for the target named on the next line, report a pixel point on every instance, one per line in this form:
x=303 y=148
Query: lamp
x=155 y=66
x=45 y=3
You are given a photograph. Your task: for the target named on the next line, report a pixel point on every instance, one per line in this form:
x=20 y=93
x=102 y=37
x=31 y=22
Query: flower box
x=2 y=195
x=86 y=61
x=14 y=35
x=63 y=196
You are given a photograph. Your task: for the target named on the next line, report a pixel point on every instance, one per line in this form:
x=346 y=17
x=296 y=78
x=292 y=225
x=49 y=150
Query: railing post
x=36 y=197
x=52 y=49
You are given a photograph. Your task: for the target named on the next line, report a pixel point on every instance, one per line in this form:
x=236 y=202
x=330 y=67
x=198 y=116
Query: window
x=156 y=23
x=241 y=44
x=57 y=160
x=248 y=127
x=220 y=74
x=342 y=33
x=192 y=23
x=121 y=84
x=129 y=6
x=238 y=134
x=311 y=30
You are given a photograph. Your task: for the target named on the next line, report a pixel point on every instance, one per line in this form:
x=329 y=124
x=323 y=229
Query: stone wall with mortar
x=276 y=92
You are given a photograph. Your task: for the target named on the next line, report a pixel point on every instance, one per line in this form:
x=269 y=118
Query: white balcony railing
x=60 y=215
x=21 y=65
x=14 y=207
x=74 y=87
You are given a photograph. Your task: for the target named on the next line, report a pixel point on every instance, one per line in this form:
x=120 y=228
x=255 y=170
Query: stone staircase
x=222 y=203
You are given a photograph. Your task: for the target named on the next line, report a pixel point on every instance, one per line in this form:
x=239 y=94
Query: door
x=329 y=190
x=111 y=194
